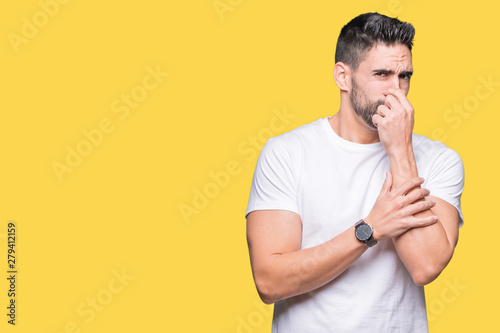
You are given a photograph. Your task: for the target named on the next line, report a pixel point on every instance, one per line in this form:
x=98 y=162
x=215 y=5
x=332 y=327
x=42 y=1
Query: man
x=343 y=233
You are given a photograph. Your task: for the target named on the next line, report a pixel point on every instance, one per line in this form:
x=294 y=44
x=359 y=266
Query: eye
x=380 y=74
x=405 y=76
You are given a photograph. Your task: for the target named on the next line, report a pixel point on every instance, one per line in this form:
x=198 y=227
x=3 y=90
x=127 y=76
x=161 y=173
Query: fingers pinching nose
x=392 y=91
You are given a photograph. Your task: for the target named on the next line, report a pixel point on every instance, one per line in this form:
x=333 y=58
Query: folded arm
x=281 y=269
x=425 y=251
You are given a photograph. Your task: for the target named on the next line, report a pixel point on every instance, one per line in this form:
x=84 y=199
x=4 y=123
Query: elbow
x=267 y=292
x=429 y=270
x=423 y=278
x=270 y=288
x=266 y=299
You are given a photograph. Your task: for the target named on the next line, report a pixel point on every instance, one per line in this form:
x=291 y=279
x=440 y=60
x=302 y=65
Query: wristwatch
x=364 y=233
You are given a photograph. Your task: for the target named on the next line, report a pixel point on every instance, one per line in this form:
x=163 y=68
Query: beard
x=362 y=107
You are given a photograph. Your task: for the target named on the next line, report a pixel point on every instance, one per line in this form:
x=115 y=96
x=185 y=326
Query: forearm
x=290 y=274
x=424 y=251
x=403 y=165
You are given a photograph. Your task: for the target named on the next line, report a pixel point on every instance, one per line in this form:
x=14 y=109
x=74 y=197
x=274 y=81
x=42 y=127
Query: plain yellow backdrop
x=129 y=134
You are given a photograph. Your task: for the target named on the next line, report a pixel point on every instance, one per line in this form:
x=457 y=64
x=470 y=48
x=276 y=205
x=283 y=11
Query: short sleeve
x=274 y=184
x=446 y=178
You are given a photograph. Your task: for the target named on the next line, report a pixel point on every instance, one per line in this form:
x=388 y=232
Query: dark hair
x=364 y=31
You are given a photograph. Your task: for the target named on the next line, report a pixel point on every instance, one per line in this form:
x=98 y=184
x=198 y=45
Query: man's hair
x=364 y=31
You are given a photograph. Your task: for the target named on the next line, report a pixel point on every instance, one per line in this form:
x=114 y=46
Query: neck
x=350 y=127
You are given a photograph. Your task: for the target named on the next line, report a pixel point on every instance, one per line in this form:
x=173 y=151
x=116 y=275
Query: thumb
x=386 y=187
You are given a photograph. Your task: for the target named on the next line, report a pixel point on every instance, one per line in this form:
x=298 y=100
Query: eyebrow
x=388 y=71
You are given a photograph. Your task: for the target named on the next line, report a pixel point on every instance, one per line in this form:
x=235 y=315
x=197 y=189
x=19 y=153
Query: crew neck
x=336 y=139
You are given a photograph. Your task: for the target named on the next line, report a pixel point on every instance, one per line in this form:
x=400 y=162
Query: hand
x=394 y=121
x=392 y=213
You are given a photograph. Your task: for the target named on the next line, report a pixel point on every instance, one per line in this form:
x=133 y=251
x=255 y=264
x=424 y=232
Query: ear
x=342 y=76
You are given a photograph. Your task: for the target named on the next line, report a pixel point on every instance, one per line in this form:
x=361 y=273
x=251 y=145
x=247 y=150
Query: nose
x=395 y=82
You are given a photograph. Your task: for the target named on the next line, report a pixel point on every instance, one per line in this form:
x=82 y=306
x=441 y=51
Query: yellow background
x=118 y=210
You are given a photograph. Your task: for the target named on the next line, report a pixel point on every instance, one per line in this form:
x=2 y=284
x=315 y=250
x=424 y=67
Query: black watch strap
x=371 y=242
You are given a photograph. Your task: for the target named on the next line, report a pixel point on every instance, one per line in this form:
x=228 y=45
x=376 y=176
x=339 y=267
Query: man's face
x=384 y=67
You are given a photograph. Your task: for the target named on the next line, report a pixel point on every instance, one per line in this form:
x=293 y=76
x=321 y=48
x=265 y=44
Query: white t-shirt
x=332 y=183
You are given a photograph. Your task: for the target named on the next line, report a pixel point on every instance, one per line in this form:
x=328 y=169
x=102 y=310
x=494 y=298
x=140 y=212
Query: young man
x=343 y=233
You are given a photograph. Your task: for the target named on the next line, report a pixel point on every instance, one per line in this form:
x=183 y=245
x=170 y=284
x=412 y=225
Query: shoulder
x=431 y=150
x=289 y=149
x=441 y=166
x=299 y=138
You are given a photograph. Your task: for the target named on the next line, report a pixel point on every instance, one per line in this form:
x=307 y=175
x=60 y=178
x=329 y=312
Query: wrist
x=364 y=233
x=403 y=165
x=375 y=235
x=400 y=152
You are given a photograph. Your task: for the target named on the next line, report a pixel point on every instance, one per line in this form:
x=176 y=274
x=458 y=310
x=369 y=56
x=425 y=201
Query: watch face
x=364 y=232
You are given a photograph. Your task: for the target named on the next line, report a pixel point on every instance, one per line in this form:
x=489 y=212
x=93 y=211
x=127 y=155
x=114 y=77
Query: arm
x=424 y=251
x=281 y=269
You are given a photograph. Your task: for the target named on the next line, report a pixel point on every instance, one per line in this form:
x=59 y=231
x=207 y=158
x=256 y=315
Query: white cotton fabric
x=332 y=183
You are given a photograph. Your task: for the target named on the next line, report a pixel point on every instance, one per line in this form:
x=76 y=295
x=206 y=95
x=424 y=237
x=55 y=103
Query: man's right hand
x=392 y=213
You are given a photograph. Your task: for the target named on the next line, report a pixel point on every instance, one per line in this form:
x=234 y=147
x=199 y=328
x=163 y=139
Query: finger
x=417 y=194
x=401 y=96
x=409 y=184
x=383 y=110
x=420 y=206
x=376 y=119
x=386 y=187
x=418 y=222
x=392 y=102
